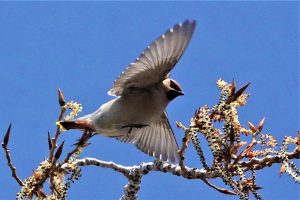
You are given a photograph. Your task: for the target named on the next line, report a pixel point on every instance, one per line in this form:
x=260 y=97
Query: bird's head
x=172 y=89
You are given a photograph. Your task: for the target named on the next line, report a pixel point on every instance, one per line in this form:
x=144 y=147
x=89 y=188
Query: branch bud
x=240 y=91
x=59 y=151
x=232 y=87
x=49 y=141
x=282 y=169
x=61 y=98
x=261 y=124
x=6 y=137
x=252 y=127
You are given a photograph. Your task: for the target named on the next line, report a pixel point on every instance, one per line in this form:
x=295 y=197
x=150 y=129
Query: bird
x=142 y=92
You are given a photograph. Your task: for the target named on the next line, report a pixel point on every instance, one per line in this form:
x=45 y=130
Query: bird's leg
x=131 y=126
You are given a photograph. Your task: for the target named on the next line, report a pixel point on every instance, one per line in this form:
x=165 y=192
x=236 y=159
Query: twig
x=61 y=101
x=185 y=140
x=57 y=133
x=222 y=190
x=82 y=142
x=7 y=155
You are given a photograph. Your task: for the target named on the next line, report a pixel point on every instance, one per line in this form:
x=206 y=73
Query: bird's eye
x=174 y=86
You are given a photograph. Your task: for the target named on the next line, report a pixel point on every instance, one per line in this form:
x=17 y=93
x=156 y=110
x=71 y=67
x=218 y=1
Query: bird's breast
x=137 y=108
x=144 y=106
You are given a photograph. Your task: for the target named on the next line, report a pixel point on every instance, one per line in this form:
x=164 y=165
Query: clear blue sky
x=82 y=47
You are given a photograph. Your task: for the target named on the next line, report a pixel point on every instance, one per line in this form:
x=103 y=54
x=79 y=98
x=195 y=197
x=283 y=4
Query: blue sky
x=82 y=47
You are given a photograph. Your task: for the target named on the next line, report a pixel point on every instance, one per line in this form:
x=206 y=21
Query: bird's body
x=137 y=115
x=142 y=107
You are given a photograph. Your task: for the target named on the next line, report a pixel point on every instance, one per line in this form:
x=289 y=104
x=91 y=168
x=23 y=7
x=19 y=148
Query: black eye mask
x=174 y=86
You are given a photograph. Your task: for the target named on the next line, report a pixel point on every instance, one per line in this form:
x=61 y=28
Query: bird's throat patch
x=172 y=94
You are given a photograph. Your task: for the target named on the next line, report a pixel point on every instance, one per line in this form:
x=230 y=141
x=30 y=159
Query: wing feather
x=156 y=140
x=157 y=60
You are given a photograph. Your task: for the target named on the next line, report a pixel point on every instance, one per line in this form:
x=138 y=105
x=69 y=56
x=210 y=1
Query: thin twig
x=222 y=190
x=12 y=168
x=7 y=155
x=82 y=142
x=185 y=140
x=57 y=133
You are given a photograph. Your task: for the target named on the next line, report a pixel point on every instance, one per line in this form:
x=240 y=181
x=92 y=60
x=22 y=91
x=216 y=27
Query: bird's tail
x=77 y=124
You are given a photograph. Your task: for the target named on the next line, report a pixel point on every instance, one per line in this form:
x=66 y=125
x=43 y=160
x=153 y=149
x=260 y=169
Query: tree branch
x=135 y=173
x=105 y=164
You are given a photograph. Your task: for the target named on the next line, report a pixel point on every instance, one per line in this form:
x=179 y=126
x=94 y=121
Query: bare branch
x=222 y=190
x=185 y=140
x=131 y=188
x=57 y=133
x=82 y=142
x=7 y=155
x=192 y=173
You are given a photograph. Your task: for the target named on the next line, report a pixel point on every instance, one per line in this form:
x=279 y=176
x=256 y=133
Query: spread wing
x=157 y=140
x=157 y=60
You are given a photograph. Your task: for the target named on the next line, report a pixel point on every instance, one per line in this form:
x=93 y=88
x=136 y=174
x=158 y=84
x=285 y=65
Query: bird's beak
x=180 y=93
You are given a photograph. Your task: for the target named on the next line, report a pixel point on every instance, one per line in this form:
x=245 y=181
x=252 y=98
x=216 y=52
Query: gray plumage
x=137 y=115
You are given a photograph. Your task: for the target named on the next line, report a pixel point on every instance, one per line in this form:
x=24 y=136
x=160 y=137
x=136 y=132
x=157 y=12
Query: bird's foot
x=131 y=126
